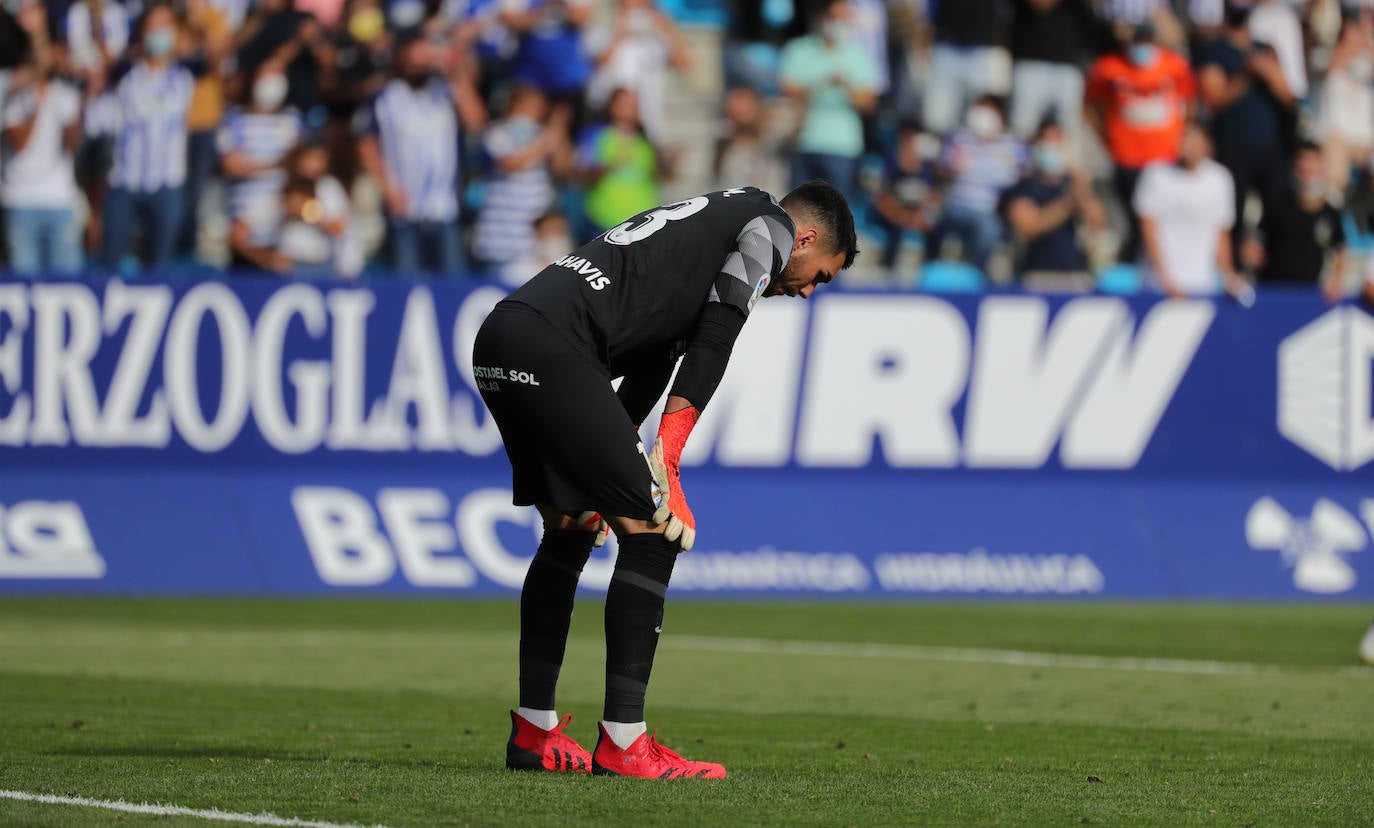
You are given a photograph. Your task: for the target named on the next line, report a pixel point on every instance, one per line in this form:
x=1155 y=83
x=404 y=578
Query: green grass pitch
x=394 y=713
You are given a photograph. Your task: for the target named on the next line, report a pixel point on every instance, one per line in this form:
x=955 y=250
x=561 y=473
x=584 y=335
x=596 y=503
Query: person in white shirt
x=317 y=236
x=95 y=47
x=40 y=126
x=636 y=54
x=1186 y=212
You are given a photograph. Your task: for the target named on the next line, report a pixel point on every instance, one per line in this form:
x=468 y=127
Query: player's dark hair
x=819 y=203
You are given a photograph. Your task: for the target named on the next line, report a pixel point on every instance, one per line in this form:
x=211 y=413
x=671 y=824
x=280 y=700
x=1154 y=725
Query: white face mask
x=984 y=121
x=835 y=31
x=553 y=248
x=270 y=92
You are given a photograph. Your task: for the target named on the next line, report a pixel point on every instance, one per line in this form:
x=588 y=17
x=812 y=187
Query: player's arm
x=644 y=384
x=761 y=250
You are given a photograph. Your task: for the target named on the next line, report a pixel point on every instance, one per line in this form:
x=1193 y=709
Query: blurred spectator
x=552 y=240
x=1049 y=40
x=253 y=144
x=968 y=60
x=1275 y=23
x=980 y=162
x=753 y=35
x=205 y=41
x=868 y=30
x=1186 y=211
x=908 y=200
x=550 y=54
x=1346 y=104
x=747 y=147
x=835 y=83
x=276 y=31
x=317 y=237
x=147 y=111
x=1044 y=210
x=636 y=54
x=409 y=144
x=1243 y=85
x=622 y=164
x=40 y=126
x=363 y=48
x=525 y=148
x=1301 y=232
x=1138 y=100
x=1125 y=15
x=97 y=34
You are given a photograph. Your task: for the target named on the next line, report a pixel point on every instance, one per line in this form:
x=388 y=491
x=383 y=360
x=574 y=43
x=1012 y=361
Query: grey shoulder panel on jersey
x=761 y=250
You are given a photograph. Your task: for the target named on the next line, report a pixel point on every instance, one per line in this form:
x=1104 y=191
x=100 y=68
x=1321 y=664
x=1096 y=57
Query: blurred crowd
x=1204 y=144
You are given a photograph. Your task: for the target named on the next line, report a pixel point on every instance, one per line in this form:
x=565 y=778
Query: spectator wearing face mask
x=409 y=144
x=1186 y=212
x=553 y=239
x=147 y=111
x=969 y=59
x=253 y=143
x=1301 y=236
x=623 y=167
x=1138 y=100
x=835 y=84
x=525 y=148
x=979 y=163
x=1044 y=210
x=276 y=31
x=40 y=126
x=908 y=200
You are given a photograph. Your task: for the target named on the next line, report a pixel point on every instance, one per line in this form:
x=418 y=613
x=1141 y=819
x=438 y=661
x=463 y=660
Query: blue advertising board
x=261 y=437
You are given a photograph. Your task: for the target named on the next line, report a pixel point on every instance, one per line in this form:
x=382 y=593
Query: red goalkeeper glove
x=665 y=461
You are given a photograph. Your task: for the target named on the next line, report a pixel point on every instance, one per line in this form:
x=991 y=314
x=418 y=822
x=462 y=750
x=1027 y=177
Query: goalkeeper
x=675 y=282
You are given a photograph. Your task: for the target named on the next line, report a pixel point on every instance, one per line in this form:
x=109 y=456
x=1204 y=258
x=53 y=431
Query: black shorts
x=570 y=443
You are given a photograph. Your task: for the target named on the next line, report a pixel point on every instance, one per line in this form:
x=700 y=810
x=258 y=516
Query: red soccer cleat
x=647 y=759
x=533 y=748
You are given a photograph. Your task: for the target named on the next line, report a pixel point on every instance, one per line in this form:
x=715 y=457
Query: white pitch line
x=174 y=810
x=1014 y=658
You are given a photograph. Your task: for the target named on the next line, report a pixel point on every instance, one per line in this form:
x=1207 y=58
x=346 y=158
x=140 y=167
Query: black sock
x=634 y=619
x=546 y=606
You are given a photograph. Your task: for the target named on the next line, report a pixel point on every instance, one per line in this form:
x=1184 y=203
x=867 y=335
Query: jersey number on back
x=629 y=232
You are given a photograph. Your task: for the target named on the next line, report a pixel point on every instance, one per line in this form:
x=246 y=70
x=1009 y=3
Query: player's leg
x=537 y=741
x=634 y=622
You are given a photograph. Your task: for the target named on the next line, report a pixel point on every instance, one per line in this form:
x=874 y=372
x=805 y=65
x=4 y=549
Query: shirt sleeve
x=365 y=119
x=18 y=109
x=226 y=138
x=1148 y=193
x=1226 y=187
x=761 y=250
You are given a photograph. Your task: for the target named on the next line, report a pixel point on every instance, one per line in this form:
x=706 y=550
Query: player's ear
x=806 y=237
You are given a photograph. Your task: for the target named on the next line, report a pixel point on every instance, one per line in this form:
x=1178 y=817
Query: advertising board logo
x=1326 y=370
x=1315 y=547
x=41 y=539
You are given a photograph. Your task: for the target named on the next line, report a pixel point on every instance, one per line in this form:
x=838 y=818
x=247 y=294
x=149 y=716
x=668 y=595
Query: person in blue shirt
x=549 y=53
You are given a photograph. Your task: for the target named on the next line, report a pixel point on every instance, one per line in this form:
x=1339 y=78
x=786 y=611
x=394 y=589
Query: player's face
x=809 y=265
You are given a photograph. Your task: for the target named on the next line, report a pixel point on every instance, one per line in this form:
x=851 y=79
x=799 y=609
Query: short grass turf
x=394 y=713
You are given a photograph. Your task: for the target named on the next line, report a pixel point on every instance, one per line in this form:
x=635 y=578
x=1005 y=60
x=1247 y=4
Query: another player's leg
x=537 y=740
x=1367 y=646
x=634 y=621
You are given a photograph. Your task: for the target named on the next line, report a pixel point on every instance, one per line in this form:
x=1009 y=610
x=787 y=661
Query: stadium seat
x=696 y=12
x=1121 y=279
x=952 y=277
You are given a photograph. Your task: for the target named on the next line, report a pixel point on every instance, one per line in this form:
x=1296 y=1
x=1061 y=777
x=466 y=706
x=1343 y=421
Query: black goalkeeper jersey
x=638 y=289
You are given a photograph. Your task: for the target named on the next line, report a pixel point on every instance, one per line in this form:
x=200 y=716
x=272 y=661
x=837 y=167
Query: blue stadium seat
x=696 y=12
x=951 y=277
x=1355 y=239
x=1121 y=279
